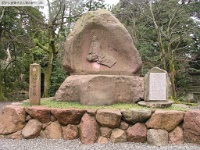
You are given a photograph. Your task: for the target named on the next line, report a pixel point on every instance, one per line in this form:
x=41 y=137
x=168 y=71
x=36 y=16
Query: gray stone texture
x=157 y=137
x=136 y=115
x=101 y=89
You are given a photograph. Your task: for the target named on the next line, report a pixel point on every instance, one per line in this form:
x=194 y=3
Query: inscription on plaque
x=157 y=86
x=34 y=84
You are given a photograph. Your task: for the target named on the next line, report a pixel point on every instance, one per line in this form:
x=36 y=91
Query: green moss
x=53 y=104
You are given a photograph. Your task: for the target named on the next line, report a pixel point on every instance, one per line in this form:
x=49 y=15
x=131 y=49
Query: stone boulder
x=105 y=132
x=118 y=136
x=135 y=115
x=109 y=118
x=70 y=132
x=12 y=119
x=88 y=129
x=16 y=135
x=41 y=113
x=191 y=126
x=68 y=116
x=124 y=125
x=53 y=131
x=167 y=120
x=137 y=133
x=176 y=136
x=32 y=129
x=102 y=140
x=157 y=137
x=100 y=44
x=101 y=89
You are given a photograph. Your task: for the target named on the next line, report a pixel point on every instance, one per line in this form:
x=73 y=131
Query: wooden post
x=35 y=84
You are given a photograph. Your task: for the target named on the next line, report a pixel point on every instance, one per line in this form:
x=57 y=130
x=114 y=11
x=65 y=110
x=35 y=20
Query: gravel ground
x=44 y=144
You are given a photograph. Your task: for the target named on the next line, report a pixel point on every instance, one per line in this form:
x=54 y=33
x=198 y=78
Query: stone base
x=101 y=89
x=156 y=104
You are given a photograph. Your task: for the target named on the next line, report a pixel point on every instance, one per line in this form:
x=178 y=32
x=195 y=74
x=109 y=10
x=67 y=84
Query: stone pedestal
x=101 y=89
x=35 y=84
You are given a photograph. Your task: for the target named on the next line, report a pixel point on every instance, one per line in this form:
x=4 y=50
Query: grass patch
x=53 y=104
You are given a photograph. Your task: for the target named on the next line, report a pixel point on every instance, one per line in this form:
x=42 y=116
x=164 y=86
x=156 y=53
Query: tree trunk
x=47 y=75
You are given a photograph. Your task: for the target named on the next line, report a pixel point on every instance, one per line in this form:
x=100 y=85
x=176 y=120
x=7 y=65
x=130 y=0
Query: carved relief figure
x=95 y=54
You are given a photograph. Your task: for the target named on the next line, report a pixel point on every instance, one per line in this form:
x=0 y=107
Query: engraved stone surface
x=100 y=44
x=157 y=86
x=35 y=84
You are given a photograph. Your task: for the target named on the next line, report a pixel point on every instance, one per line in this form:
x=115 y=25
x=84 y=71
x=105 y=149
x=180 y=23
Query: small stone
x=118 y=136
x=88 y=129
x=157 y=137
x=102 y=140
x=70 y=132
x=53 y=131
x=191 y=126
x=68 y=116
x=137 y=133
x=28 y=117
x=40 y=113
x=32 y=129
x=135 y=115
x=124 y=125
x=12 y=119
x=109 y=118
x=176 y=136
x=16 y=135
x=53 y=118
x=45 y=125
x=166 y=120
x=105 y=132
x=42 y=134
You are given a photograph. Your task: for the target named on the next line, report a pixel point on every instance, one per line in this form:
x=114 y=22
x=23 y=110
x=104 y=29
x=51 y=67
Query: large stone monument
x=157 y=89
x=102 y=61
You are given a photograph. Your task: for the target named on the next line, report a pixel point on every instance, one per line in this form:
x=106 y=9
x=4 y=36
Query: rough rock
x=118 y=135
x=88 y=129
x=16 y=135
x=70 y=132
x=41 y=113
x=102 y=140
x=135 y=115
x=12 y=119
x=101 y=89
x=100 y=44
x=157 y=137
x=167 y=120
x=137 y=133
x=124 y=125
x=32 y=129
x=176 y=136
x=109 y=118
x=191 y=126
x=68 y=116
x=105 y=132
x=53 y=131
